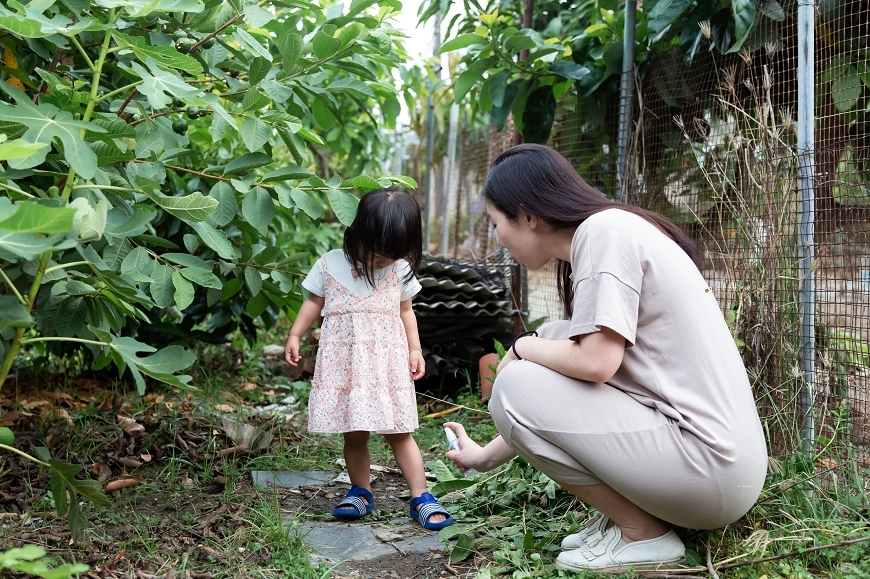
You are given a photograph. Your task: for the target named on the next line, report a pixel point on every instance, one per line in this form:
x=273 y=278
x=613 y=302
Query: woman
x=638 y=403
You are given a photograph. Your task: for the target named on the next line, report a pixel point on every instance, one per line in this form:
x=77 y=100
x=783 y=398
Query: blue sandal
x=429 y=506
x=352 y=499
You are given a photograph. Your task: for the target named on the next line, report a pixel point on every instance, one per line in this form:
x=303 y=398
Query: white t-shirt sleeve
x=411 y=287
x=604 y=300
x=314 y=281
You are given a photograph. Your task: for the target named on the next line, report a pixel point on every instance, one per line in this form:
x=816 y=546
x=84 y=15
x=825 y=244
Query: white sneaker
x=610 y=555
x=594 y=528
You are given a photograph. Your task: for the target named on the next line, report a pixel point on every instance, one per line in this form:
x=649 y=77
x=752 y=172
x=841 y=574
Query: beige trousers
x=582 y=433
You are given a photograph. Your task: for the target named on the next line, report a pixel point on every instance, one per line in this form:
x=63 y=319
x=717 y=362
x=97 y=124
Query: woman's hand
x=472 y=455
x=291 y=350
x=417 y=364
x=508 y=358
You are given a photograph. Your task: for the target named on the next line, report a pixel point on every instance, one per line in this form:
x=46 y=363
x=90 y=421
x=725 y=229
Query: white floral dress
x=361 y=378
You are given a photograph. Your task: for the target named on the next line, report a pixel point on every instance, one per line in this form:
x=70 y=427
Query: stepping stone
x=334 y=542
x=291 y=479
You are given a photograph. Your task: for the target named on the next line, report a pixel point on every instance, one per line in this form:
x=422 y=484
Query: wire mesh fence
x=713 y=147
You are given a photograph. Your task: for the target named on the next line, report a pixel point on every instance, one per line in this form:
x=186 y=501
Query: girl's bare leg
x=410 y=462
x=358 y=461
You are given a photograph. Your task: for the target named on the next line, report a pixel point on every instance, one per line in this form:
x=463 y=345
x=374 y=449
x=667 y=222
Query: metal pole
x=448 y=178
x=430 y=133
x=806 y=237
x=626 y=94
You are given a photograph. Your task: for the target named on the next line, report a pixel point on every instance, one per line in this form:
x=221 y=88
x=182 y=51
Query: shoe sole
x=639 y=566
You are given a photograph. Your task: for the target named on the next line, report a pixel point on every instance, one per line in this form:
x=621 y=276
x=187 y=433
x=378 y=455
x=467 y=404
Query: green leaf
x=324 y=45
x=216 y=240
x=365 y=183
x=251 y=43
x=227 y=205
x=743 y=12
x=322 y=115
x=290 y=45
x=499 y=114
x=567 y=69
x=30 y=245
x=845 y=91
x=773 y=10
x=258 y=70
x=162 y=289
x=19 y=149
x=468 y=78
x=518 y=43
x=202 y=276
x=184 y=291
x=463 y=548
x=307 y=203
x=31 y=217
x=352 y=85
x=294 y=144
x=246 y=162
x=253 y=279
x=193 y=207
x=255 y=134
x=7 y=438
x=666 y=12
x=160 y=86
x=441 y=472
x=448 y=486
x=406 y=182
x=344 y=203
x=70 y=317
x=309 y=136
x=44 y=122
x=186 y=260
x=285 y=173
x=258 y=208
x=462 y=41
x=257 y=17
x=165 y=56
x=13 y=314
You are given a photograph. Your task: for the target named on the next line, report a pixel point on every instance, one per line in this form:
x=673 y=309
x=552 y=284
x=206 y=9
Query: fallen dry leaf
x=129 y=462
x=145 y=456
x=31 y=404
x=248 y=386
x=122 y=483
x=225 y=407
x=131 y=427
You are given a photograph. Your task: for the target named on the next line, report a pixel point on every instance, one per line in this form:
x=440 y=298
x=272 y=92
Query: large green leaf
x=193 y=207
x=468 y=78
x=19 y=149
x=255 y=134
x=31 y=217
x=217 y=240
x=161 y=86
x=71 y=317
x=344 y=203
x=13 y=314
x=44 y=122
x=352 y=85
x=184 y=291
x=164 y=56
x=30 y=245
x=463 y=41
x=325 y=45
x=845 y=91
x=139 y=8
x=34 y=24
x=162 y=289
x=307 y=203
x=743 y=12
x=202 y=276
x=665 y=12
x=258 y=208
x=254 y=280
x=247 y=162
x=227 y=205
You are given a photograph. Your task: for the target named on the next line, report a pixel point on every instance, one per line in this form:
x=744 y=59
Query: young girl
x=368 y=347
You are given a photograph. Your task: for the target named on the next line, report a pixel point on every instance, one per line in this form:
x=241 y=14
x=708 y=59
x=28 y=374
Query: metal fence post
x=626 y=93
x=806 y=236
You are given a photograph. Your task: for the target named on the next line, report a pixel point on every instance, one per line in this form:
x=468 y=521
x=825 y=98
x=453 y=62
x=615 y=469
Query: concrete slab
x=287 y=479
x=336 y=541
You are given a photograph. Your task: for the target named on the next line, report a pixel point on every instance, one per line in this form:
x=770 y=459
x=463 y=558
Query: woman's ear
x=532 y=221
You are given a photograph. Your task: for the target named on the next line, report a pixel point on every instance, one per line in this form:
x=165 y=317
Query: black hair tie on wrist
x=523 y=335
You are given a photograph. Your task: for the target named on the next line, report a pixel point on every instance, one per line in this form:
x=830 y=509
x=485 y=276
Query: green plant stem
x=19 y=334
x=65 y=265
x=106 y=188
x=64 y=339
x=13 y=288
x=25 y=455
x=82 y=52
x=17 y=190
x=109 y=95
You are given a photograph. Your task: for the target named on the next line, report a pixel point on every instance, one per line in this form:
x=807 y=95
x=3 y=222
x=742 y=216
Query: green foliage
x=155 y=153
x=32 y=560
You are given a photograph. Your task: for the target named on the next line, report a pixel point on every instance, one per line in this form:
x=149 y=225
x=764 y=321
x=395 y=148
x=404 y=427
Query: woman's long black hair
x=387 y=223
x=539 y=181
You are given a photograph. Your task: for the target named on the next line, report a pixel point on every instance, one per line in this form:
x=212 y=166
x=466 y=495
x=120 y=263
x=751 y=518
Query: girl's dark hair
x=387 y=223
x=539 y=181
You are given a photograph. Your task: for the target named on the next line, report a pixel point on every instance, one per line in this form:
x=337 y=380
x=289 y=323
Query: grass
x=181 y=522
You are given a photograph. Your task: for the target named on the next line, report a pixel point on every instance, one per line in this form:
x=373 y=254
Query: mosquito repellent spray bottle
x=452 y=441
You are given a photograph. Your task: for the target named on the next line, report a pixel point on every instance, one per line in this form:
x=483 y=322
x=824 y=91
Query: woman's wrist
x=517 y=339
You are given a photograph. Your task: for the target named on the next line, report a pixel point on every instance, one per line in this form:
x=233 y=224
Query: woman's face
x=519 y=237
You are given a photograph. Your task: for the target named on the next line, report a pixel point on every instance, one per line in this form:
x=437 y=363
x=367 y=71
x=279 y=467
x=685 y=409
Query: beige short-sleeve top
x=680 y=357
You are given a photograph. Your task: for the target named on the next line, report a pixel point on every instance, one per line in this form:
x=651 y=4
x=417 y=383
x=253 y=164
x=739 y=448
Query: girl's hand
x=291 y=350
x=417 y=364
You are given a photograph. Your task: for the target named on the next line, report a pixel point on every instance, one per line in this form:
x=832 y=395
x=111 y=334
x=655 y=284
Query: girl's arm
x=416 y=363
x=308 y=313
x=593 y=357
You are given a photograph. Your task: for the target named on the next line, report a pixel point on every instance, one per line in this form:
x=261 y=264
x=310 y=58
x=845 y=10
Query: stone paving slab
x=336 y=541
x=291 y=479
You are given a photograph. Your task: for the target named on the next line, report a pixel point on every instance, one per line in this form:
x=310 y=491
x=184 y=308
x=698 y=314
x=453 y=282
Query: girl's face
x=380 y=262
x=519 y=237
